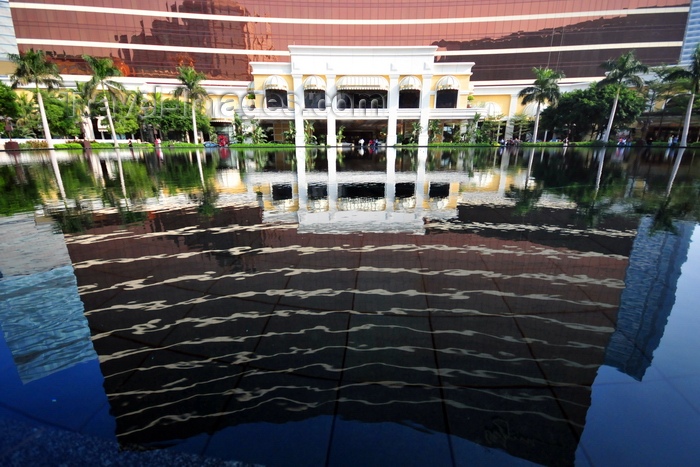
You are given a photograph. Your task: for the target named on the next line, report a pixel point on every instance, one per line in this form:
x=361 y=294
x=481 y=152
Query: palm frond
x=190 y=79
x=688 y=77
x=624 y=70
x=544 y=89
x=32 y=67
x=102 y=70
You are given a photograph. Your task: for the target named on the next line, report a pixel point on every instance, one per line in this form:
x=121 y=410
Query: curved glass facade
x=505 y=38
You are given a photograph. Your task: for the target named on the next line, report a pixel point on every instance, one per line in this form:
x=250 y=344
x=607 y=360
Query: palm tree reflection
x=679 y=202
x=210 y=195
x=529 y=194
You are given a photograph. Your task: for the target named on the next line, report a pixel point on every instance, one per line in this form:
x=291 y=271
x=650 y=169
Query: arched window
x=344 y=101
x=275 y=99
x=275 y=92
x=314 y=93
x=362 y=92
x=447 y=91
x=409 y=92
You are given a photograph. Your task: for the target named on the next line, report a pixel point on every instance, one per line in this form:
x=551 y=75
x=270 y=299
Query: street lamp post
x=10 y=145
x=8 y=127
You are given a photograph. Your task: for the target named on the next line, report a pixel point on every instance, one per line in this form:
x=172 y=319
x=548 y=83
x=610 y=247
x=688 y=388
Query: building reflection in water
x=340 y=299
x=41 y=315
x=648 y=297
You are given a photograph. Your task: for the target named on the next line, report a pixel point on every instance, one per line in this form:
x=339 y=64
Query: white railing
x=362 y=114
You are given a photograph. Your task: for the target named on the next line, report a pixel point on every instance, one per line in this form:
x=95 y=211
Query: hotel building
x=373 y=67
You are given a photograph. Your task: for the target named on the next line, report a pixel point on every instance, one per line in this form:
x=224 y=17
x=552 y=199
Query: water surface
x=503 y=306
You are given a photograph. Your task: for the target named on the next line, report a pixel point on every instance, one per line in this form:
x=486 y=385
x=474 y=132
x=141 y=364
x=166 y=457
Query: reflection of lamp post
x=570 y=129
x=152 y=132
x=141 y=127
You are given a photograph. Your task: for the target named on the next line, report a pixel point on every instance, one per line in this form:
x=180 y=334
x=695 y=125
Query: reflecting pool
x=500 y=306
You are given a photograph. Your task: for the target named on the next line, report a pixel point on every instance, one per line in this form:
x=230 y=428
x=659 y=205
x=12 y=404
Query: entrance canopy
x=411 y=83
x=362 y=83
x=275 y=82
x=448 y=82
x=314 y=83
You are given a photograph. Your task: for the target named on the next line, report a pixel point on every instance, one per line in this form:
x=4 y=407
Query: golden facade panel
x=506 y=38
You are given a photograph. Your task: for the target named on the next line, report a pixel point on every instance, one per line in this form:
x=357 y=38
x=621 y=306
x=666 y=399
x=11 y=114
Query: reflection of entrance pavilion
x=381 y=201
x=373 y=92
x=335 y=201
x=301 y=327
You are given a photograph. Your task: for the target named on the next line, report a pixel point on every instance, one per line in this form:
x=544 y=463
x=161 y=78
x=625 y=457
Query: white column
x=390 y=187
x=393 y=105
x=330 y=114
x=331 y=130
x=503 y=173
x=298 y=97
x=508 y=134
x=421 y=179
x=425 y=110
x=302 y=184
x=332 y=182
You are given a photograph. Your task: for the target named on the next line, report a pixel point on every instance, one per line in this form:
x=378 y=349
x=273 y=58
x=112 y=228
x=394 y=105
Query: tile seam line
x=366 y=22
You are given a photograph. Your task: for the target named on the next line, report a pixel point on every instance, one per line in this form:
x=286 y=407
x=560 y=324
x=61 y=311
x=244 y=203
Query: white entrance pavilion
x=341 y=85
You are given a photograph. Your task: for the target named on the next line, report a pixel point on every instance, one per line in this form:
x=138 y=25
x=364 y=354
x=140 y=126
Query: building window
x=315 y=100
x=362 y=100
x=275 y=99
x=409 y=99
x=446 y=99
x=409 y=92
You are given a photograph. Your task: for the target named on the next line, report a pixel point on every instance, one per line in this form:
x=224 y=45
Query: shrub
x=134 y=144
x=34 y=144
x=68 y=146
x=549 y=144
x=588 y=144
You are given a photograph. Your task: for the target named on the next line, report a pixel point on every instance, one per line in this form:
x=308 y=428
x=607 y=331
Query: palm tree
x=27 y=120
x=309 y=137
x=102 y=70
x=690 y=77
x=256 y=133
x=544 y=89
x=190 y=79
x=83 y=98
x=138 y=105
x=624 y=70
x=33 y=68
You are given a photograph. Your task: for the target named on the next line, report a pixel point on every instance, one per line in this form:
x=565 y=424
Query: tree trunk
x=606 y=135
x=537 y=124
x=194 y=124
x=686 y=122
x=109 y=120
x=44 y=121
